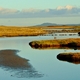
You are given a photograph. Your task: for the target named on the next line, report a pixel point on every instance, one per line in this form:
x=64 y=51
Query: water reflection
x=55 y=47
x=69 y=57
x=18 y=66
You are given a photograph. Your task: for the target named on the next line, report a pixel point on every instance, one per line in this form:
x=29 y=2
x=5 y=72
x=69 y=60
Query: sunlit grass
x=20 y=31
x=71 y=42
x=70 y=57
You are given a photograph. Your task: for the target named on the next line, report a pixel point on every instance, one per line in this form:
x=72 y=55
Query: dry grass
x=61 y=27
x=69 y=57
x=20 y=31
x=65 y=28
x=71 y=42
x=11 y=31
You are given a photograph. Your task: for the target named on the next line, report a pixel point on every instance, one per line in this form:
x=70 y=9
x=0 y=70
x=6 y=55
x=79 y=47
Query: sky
x=38 y=4
x=39 y=8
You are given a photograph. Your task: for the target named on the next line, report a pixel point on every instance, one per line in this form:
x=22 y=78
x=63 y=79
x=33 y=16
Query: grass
x=71 y=42
x=65 y=28
x=11 y=31
x=70 y=57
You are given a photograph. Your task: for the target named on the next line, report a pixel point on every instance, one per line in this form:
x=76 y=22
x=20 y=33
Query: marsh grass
x=71 y=43
x=69 y=57
x=65 y=28
x=11 y=31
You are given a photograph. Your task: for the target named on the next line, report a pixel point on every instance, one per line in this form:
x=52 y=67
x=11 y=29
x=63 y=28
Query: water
x=62 y=35
x=37 y=21
x=40 y=64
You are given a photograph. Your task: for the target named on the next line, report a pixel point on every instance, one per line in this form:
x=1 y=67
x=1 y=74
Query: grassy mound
x=71 y=43
x=69 y=57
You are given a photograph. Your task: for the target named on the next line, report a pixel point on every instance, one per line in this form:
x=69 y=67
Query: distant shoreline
x=14 y=31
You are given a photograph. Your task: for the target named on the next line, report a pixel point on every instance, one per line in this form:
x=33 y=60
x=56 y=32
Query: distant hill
x=47 y=24
x=54 y=24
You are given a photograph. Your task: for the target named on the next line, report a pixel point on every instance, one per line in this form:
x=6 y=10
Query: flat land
x=62 y=29
x=71 y=42
x=11 y=31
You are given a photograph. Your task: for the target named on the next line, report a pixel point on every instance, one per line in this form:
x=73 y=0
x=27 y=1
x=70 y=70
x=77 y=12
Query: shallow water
x=38 y=21
x=42 y=64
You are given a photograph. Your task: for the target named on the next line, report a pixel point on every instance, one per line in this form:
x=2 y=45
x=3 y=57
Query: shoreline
x=71 y=43
x=69 y=57
x=13 y=31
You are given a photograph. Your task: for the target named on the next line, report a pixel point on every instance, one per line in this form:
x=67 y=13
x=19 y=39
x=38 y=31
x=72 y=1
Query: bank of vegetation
x=62 y=29
x=70 y=57
x=11 y=31
x=70 y=42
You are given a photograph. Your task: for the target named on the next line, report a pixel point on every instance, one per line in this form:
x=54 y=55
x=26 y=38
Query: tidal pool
x=18 y=61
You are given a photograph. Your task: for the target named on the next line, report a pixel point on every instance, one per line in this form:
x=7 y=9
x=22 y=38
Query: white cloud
x=9 y=11
x=59 y=11
x=31 y=10
x=68 y=7
x=47 y=10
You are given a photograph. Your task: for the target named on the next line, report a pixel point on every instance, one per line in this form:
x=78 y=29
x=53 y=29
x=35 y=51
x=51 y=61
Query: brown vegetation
x=65 y=28
x=69 y=57
x=71 y=43
x=11 y=31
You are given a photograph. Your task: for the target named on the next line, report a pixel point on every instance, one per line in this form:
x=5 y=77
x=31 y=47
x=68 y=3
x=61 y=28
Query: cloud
x=31 y=10
x=47 y=10
x=68 y=7
x=69 y=10
x=29 y=13
x=7 y=11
